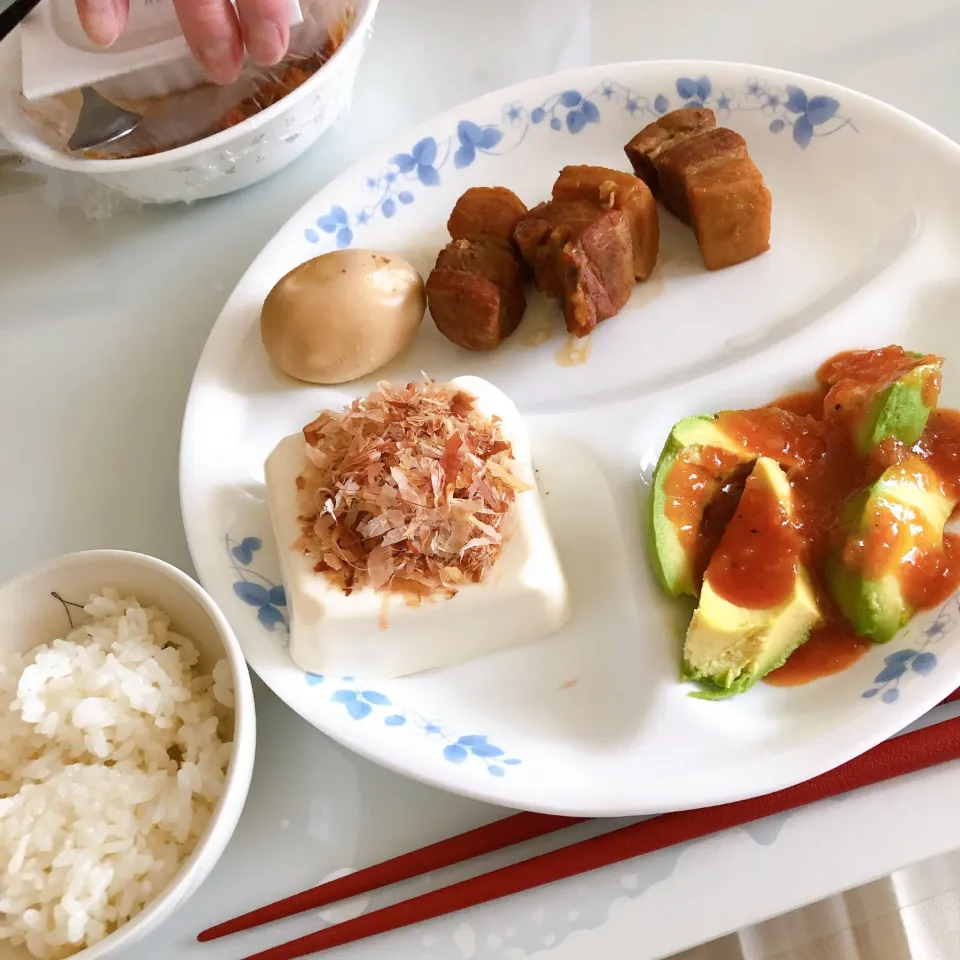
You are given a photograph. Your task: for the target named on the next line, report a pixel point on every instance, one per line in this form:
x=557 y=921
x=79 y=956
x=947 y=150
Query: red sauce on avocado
x=929 y=578
x=807 y=403
x=755 y=564
x=701 y=494
x=940 y=448
x=877 y=367
x=855 y=377
x=771 y=432
x=812 y=436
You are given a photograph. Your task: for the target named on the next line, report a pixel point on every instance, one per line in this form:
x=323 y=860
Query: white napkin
x=914 y=914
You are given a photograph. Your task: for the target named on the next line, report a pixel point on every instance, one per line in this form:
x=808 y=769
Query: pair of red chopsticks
x=909 y=753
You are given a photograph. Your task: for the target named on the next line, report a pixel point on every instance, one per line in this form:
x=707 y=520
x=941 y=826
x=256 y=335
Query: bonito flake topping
x=406 y=491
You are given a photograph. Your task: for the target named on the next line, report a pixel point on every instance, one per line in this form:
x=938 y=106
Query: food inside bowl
x=186 y=116
x=114 y=749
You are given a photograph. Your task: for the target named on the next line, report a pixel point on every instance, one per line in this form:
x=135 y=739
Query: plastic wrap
x=152 y=55
x=60 y=189
x=188 y=116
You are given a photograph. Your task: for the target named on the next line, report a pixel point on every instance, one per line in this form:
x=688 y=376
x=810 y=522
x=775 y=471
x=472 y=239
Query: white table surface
x=101 y=324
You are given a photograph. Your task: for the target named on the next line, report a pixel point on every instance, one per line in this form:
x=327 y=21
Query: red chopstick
x=474 y=843
x=498 y=835
x=909 y=753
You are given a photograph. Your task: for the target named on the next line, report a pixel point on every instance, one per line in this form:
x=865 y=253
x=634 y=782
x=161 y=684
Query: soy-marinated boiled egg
x=342 y=315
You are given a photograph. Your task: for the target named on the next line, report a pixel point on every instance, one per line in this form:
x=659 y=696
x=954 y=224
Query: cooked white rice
x=113 y=753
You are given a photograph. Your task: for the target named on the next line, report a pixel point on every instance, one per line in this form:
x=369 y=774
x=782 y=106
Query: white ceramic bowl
x=30 y=615
x=225 y=162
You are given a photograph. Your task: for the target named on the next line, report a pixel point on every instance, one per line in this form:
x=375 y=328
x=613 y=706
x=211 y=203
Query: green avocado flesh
x=728 y=648
x=672 y=562
x=899 y=410
x=878 y=562
x=876 y=607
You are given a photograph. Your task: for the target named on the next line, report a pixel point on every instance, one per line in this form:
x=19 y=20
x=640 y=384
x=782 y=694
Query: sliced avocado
x=895 y=409
x=729 y=646
x=689 y=438
x=901 y=409
x=908 y=500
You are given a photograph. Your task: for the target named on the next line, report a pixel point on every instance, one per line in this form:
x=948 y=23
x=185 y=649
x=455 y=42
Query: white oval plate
x=593 y=720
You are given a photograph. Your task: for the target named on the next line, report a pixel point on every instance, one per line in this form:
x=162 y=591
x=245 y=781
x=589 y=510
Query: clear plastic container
x=151 y=56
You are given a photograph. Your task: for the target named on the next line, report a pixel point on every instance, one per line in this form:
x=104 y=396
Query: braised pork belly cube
x=730 y=208
x=705 y=177
x=475 y=292
x=656 y=138
x=582 y=254
x=710 y=182
x=619 y=191
x=678 y=166
x=538 y=246
x=486 y=212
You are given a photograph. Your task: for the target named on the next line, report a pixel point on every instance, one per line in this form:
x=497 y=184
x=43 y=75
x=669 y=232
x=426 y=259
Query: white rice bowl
x=114 y=749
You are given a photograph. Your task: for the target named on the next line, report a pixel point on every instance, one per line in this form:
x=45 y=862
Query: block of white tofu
x=379 y=635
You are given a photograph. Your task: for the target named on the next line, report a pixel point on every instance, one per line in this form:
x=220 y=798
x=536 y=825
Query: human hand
x=215 y=32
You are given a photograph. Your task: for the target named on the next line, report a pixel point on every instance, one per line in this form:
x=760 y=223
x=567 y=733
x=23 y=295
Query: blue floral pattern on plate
x=253 y=588
x=360 y=701
x=916 y=658
x=396 y=185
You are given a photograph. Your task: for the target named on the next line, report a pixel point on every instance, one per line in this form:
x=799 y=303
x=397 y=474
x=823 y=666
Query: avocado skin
x=670 y=561
x=875 y=609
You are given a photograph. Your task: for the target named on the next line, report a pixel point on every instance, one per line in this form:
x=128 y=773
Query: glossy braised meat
x=730 y=207
x=656 y=138
x=683 y=162
x=486 y=212
x=475 y=292
x=581 y=253
x=706 y=178
x=620 y=191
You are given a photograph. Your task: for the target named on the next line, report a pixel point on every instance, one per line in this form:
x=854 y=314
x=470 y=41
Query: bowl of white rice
x=127 y=738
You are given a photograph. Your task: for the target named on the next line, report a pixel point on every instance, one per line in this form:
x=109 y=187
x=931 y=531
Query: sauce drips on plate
x=830 y=649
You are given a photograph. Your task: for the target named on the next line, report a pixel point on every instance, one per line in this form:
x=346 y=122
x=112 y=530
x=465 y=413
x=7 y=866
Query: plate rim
x=491 y=790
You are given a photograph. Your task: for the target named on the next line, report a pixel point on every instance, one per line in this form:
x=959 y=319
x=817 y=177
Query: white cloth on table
x=914 y=914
